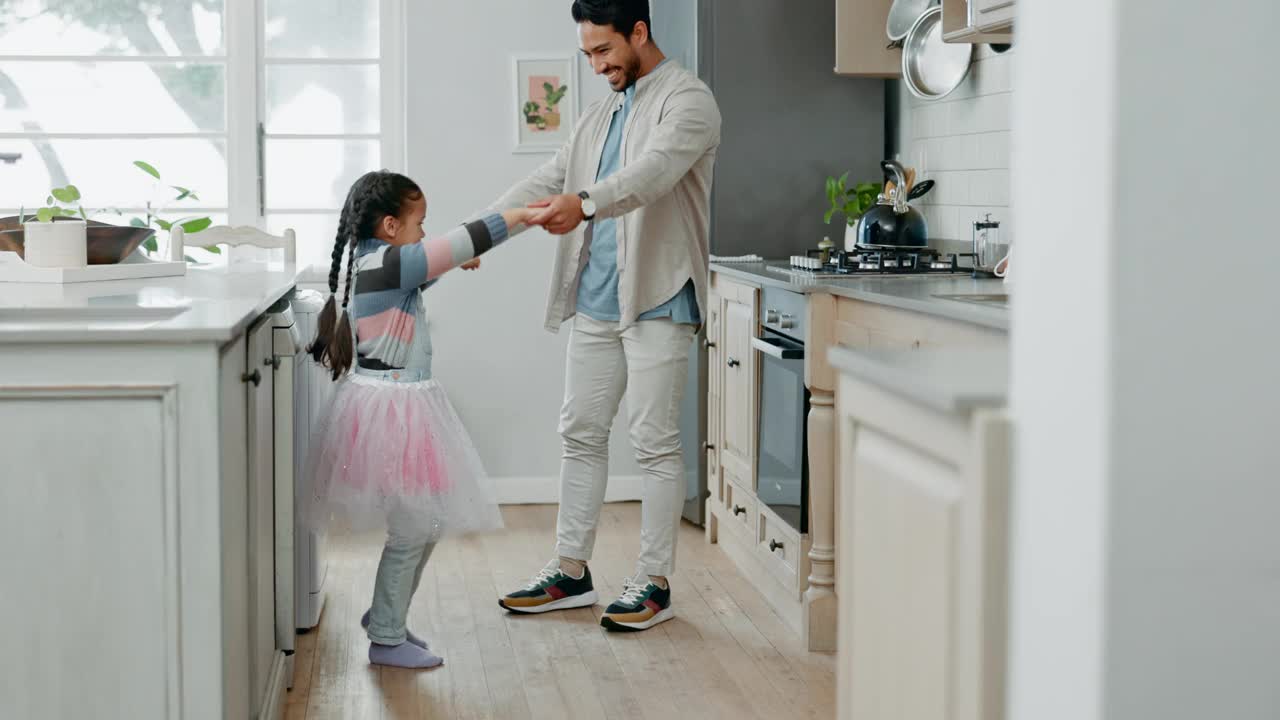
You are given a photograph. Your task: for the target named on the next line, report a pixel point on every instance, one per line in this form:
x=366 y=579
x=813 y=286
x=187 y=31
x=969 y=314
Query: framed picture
x=545 y=105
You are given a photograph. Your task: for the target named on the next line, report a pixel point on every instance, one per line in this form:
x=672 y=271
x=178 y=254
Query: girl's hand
x=519 y=216
x=472 y=264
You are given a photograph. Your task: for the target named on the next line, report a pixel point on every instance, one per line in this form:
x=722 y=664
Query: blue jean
x=399 y=572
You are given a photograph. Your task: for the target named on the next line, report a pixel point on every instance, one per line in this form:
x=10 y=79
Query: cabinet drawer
x=739 y=505
x=779 y=546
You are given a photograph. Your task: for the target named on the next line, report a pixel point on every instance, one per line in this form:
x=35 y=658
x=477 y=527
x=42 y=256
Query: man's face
x=612 y=54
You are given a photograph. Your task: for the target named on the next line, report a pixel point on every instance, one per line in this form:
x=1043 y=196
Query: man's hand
x=472 y=264
x=560 y=214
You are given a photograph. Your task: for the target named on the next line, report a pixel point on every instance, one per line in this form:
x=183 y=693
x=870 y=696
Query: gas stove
x=876 y=260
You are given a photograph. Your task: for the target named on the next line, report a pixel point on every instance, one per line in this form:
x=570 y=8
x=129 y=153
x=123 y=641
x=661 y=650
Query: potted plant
x=55 y=236
x=851 y=203
x=190 y=225
x=531 y=116
x=554 y=96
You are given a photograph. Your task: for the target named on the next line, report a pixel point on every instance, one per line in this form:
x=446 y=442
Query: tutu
x=396 y=448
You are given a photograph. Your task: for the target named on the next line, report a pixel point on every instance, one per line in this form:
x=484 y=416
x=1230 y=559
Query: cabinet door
x=861 y=47
x=991 y=14
x=261 y=493
x=233 y=438
x=740 y=386
x=715 y=378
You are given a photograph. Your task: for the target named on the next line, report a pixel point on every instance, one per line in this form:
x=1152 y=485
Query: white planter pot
x=60 y=244
x=850 y=236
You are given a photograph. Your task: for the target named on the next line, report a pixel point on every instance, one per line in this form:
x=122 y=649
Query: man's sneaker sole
x=586 y=599
x=609 y=623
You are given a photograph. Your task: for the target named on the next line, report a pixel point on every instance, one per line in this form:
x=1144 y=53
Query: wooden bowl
x=108 y=244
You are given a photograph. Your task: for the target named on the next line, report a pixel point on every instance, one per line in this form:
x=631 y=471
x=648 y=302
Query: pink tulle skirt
x=396 y=449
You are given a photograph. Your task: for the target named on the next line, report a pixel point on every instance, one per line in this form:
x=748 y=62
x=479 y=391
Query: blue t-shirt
x=598 y=285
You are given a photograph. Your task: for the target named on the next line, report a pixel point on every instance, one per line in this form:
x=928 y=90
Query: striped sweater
x=389 y=280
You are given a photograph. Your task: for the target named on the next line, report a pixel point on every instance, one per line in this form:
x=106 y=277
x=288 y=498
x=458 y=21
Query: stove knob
x=771 y=317
x=787 y=322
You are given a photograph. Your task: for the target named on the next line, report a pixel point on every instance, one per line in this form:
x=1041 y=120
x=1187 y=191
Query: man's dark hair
x=621 y=14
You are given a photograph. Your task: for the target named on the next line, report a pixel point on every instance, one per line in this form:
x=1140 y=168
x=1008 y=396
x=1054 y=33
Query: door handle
x=733 y=363
x=777 y=352
x=272 y=362
x=774 y=545
x=739 y=510
x=254 y=377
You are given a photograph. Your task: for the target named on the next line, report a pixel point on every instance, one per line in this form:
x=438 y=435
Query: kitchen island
x=142 y=538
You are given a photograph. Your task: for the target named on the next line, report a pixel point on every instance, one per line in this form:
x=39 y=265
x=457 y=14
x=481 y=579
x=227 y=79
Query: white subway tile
x=998 y=187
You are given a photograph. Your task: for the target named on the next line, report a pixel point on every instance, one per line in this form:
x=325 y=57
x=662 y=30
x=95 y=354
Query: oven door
x=782 y=456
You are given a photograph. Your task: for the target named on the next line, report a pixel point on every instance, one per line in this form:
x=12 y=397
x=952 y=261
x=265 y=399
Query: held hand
x=560 y=214
x=519 y=216
x=472 y=264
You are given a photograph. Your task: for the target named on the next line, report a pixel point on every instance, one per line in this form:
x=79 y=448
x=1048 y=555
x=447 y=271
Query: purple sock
x=364 y=623
x=404 y=655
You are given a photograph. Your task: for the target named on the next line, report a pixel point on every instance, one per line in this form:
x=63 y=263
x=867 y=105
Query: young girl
x=391 y=448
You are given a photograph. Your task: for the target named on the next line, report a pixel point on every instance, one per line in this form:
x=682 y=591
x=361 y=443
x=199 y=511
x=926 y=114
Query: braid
x=329 y=314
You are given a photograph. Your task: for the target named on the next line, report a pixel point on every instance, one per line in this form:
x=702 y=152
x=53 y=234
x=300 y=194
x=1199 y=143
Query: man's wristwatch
x=588 y=206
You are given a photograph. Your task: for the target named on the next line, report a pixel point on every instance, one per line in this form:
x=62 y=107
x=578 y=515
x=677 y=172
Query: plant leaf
x=151 y=245
x=75 y=192
x=166 y=226
x=183 y=193
x=190 y=259
x=137 y=222
x=44 y=214
x=48 y=200
x=826 y=217
x=83 y=215
x=147 y=168
x=63 y=195
x=216 y=250
x=195 y=226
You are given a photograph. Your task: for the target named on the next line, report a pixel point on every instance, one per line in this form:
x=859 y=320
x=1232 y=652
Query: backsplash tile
x=962 y=143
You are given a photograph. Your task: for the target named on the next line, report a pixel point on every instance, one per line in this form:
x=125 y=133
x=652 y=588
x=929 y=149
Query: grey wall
x=789 y=122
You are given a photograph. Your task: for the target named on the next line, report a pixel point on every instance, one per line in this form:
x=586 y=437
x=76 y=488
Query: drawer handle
x=739 y=510
x=733 y=363
x=707 y=344
x=254 y=377
x=272 y=362
x=708 y=447
x=774 y=545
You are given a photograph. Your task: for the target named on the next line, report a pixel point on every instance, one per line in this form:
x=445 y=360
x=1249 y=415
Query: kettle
x=892 y=222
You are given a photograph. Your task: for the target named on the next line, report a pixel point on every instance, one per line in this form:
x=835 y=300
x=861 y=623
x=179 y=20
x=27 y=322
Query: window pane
x=325 y=99
x=104 y=172
x=315 y=233
x=111 y=27
x=315 y=174
x=322 y=28
x=121 y=97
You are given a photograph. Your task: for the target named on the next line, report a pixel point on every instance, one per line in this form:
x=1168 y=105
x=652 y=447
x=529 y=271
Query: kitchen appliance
x=931 y=68
x=831 y=125
x=879 y=261
x=988 y=249
x=313 y=389
x=782 y=456
x=892 y=222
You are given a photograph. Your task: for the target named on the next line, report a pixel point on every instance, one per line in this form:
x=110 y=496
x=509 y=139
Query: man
x=630 y=194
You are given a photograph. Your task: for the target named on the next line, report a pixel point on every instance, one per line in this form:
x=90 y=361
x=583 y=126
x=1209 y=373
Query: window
x=269 y=109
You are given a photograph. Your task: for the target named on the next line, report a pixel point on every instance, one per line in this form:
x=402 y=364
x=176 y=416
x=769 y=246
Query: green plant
x=190 y=225
x=62 y=202
x=554 y=95
x=852 y=203
x=531 y=109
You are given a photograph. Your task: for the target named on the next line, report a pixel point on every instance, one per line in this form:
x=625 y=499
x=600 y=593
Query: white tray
x=14 y=269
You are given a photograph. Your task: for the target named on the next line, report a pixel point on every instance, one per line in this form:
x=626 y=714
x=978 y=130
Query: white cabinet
x=923 y=556
x=977 y=21
x=988 y=15
x=740 y=385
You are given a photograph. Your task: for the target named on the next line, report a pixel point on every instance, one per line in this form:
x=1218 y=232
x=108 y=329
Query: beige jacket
x=662 y=194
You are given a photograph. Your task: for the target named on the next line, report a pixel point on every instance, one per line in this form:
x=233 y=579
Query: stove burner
x=871 y=260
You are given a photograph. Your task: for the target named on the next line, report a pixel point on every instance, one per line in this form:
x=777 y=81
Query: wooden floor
x=725 y=655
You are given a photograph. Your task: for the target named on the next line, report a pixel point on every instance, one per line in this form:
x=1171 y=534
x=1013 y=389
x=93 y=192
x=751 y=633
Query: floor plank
x=725 y=655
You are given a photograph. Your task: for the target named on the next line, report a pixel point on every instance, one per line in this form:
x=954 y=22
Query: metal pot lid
x=902 y=15
x=932 y=68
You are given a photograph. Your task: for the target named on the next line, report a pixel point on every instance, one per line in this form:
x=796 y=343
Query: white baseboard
x=546 y=490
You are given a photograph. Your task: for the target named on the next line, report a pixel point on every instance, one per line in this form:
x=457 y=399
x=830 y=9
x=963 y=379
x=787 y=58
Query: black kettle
x=891 y=222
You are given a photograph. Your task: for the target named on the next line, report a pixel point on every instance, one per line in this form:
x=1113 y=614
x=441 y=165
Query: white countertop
x=208 y=304
x=953 y=381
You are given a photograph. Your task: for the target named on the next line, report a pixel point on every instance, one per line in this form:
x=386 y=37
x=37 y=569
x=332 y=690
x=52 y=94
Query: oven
x=782 y=454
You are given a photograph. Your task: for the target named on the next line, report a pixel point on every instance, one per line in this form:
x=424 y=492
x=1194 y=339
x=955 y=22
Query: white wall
x=962 y=142
x=504 y=372
x=1146 y=570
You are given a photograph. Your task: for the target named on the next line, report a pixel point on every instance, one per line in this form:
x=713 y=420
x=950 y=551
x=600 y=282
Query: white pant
x=651 y=358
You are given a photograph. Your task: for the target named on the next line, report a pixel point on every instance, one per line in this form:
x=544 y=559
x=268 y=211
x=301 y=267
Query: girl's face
x=406 y=229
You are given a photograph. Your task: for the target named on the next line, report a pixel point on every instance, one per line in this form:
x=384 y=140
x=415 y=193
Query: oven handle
x=777 y=349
